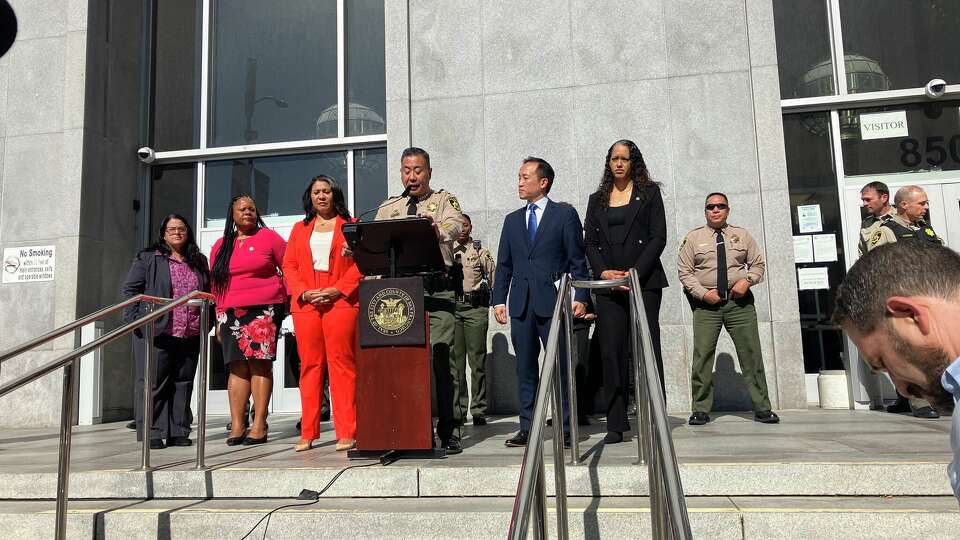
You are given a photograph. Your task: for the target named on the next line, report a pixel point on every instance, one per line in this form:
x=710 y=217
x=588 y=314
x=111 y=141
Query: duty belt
x=437 y=282
x=475 y=298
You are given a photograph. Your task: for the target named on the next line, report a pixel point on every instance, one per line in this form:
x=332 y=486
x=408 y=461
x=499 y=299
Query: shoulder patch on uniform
x=876 y=237
x=455 y=203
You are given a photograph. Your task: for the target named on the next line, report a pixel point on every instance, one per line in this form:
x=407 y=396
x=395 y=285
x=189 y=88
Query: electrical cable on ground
x=312 y=497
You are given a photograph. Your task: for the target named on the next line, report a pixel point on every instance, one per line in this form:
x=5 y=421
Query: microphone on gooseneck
x=406 y=192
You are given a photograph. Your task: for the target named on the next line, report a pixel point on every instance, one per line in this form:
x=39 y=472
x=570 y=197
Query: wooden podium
x=393 y=339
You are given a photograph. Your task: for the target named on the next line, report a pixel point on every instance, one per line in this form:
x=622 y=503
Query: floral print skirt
x=250 y=332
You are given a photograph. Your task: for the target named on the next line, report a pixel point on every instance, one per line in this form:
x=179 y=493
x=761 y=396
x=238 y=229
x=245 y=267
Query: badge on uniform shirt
x=455 y=204
x=876 y=237
x=734 y=238
x=929 y=232
x=395 y=213
x=432 y=207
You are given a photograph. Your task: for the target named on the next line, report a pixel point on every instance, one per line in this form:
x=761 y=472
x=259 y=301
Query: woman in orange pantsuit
x=323 y=286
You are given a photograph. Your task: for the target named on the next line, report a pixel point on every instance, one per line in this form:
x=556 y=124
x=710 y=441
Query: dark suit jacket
x=530 y=270
x=150 y=274
x=644 y=242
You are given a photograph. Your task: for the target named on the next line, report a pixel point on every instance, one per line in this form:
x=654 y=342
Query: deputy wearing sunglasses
x=718 y=263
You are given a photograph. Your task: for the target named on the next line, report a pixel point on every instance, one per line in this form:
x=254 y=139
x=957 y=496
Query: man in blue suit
x=539 y=243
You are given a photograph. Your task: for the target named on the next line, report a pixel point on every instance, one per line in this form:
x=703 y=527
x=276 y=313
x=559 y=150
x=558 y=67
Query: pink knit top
x=254 y=275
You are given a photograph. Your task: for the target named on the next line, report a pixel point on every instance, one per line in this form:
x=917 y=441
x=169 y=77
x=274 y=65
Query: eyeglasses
x=176 y=230
x=719 y=206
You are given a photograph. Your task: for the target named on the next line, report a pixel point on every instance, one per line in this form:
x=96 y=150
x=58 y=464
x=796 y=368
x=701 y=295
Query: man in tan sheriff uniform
x=472 y=320
x=718 y=263
x=875 y=197
x=439 y=299
x=908 y=225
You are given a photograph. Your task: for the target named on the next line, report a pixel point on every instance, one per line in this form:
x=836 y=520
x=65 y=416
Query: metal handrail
x=67 y=328
x=654 y=443
x=68 y=363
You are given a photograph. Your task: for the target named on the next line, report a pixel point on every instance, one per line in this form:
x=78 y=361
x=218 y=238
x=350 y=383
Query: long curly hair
x=220 y=276
x=638 y=172
x=339 y=200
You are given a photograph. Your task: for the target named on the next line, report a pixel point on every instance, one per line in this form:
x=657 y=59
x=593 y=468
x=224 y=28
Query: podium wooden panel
x=393 y=397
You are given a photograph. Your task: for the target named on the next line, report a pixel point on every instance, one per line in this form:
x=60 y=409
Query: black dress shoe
x=899 y=406
x=453 y=445
x=157 y=444
x=766 y=417
x=479 y=420
x=252 y=441
x=926 y=412
x=132 y=425
x=179 y=441
x=613 y=437
x=519 y=440
x=698 y=419
x=234 y=441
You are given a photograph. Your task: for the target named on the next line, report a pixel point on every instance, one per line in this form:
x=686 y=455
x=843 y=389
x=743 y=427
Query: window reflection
x=274 y=70
x=900 y=43
x=173 y=191
x=370 y=179
x=803 y=48
x=366 y=79
x=275 y=183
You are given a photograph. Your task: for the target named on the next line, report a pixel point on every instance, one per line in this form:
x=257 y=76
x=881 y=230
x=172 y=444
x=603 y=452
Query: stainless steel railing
x=68 y=363
x=654 y=444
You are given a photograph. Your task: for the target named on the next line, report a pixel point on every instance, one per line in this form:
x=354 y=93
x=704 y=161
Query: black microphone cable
x=312 y=497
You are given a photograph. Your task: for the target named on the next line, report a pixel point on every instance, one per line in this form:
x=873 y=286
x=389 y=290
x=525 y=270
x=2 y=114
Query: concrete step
x=421 y=479
x=716 y=518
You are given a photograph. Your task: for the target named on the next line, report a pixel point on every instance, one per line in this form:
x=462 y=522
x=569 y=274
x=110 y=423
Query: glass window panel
x=812 y=180
x=173 y=191
x=274 y=71
x=803 y=48
x=275 y=183
x=893 y=44
x=932 y=142
x=366 y=79
x=176 y=98
x=369 y=179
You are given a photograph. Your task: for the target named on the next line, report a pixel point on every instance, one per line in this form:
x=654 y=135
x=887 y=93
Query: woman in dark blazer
x=172 y=267
x=625 y=228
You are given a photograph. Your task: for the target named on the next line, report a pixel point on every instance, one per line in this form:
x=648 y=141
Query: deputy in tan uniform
x=443 y=209
x=875 y=197
x=908 y=225
x=472 y=319
x=718 y=263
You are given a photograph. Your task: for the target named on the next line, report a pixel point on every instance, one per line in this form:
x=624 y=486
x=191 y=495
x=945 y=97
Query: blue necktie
x=532 y=222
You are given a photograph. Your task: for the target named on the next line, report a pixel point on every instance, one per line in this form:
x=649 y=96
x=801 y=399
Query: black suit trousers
x=174 y=369
x=613 y=325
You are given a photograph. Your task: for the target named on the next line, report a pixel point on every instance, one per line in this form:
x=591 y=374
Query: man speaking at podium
x=439 y=299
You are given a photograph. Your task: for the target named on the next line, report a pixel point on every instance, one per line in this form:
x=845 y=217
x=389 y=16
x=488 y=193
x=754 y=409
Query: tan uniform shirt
x=697 y=260
x=477 y=265
x=884 y=235
x=442 y=207
x=869 y=226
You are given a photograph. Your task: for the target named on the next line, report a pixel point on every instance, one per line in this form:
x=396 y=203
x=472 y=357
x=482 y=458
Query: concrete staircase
x=818 y=475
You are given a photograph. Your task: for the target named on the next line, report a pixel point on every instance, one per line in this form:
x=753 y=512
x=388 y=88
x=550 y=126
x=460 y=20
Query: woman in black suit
x=172 y=267
x=625 y=228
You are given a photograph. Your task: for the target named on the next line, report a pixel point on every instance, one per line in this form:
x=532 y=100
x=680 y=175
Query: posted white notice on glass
x=802 y=249
x=809 y=219
x=884 y=125
x=28 y=263
x=824 y=247
x=812 y=278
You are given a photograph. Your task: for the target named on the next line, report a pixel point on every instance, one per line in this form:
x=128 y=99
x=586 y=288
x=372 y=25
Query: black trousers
x=175 y=367
x=613 y=325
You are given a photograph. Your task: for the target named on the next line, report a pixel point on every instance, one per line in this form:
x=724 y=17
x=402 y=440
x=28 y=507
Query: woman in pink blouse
x=250 y=295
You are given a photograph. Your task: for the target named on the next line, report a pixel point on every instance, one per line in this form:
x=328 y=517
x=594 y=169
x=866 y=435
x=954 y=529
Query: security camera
x=146 y=154
x=935 y=88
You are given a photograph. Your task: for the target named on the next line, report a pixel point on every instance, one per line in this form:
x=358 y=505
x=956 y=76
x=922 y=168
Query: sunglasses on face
x=718 y=206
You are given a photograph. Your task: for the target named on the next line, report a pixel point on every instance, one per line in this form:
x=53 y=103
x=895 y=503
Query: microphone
x=405 y=193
